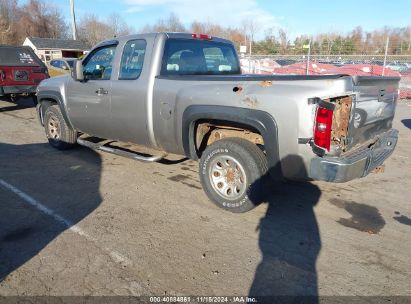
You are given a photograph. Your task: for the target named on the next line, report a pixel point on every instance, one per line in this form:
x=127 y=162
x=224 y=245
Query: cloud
x=134 y=9
x=223 y=12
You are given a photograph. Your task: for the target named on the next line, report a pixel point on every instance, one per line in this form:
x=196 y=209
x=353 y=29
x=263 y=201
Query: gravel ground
x=87 y=223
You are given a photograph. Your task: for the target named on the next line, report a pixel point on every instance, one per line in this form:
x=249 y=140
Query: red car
x=20 y=71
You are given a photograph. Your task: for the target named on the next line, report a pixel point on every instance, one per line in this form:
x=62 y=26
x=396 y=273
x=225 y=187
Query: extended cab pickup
x=184 y=94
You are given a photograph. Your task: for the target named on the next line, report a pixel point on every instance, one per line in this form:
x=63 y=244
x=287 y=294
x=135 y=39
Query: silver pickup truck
x=184 y=94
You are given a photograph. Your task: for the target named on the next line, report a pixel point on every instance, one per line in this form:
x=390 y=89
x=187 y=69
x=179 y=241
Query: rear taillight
x=322 y=128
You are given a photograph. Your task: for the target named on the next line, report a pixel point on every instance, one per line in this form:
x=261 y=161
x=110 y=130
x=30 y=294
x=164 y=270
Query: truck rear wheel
x=59 y=135
x=232 y=173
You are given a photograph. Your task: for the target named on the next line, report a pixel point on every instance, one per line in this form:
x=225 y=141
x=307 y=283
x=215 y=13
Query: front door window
x=99 y=64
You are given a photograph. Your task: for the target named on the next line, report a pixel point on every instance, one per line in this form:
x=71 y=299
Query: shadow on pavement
x=289 y=238
x=65 y=182
x=68 y=183
x=407 y=123
x=19 y=104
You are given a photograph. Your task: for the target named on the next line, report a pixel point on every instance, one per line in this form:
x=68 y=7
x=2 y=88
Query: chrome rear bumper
x=356 y=163
x=24 y=89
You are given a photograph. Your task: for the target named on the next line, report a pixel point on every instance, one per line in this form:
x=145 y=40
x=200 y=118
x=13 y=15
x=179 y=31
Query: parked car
x=20 y=71
x=60 y=66
x=405 y=70
x=284 y=62
x=163 y=91
x=396 y=66
x=63 y=63
x=376 y=62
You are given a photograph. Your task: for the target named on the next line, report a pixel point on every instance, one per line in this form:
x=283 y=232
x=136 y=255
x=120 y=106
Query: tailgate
x=373 y=108
x=20 y=75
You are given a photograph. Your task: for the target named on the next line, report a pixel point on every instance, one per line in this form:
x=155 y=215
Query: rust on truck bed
x=209 y=132
x=341 y=120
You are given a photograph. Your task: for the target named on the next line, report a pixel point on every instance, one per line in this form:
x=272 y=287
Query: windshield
x=14 y=56
x=199 y=57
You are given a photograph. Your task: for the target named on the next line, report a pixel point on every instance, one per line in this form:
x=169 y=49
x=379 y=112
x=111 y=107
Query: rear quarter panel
x=286 y=101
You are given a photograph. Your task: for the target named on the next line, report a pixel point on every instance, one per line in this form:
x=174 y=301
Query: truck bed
x=250 y=77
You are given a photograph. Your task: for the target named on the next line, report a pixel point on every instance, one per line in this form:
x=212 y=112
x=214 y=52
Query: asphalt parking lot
x=86 y=223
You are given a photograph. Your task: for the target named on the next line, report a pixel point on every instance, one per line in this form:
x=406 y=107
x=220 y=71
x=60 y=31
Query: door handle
x=101 y=91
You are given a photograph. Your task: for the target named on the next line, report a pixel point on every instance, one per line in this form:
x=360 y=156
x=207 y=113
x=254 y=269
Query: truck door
x=88 y=102
x=129 y=111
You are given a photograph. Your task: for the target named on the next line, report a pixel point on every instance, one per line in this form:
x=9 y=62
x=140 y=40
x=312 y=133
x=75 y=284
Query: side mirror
x=78 y=72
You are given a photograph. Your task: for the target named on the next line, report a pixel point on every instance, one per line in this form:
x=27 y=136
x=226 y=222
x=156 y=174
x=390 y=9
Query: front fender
x=47 y=97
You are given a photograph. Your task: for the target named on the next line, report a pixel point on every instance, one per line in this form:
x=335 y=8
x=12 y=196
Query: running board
x=119 y=152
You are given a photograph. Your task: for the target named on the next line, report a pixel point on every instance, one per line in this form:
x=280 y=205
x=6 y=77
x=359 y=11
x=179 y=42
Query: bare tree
x=8 y=10
x=92 y=30
x=56 y=24
x=171 y=24
x=250 y=28
x=33 y=18
x=118 y=26
x=283 y=40
x=40 y=19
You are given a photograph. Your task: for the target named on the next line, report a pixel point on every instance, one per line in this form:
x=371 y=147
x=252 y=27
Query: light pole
x=307 y=67
x=73 y=20
x=385 y=55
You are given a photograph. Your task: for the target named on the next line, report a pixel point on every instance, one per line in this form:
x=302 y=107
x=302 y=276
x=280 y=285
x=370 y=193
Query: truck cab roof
x=168 y=35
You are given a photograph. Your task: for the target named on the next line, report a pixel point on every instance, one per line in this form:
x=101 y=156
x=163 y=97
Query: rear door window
x=199 y=57
x=132 y=59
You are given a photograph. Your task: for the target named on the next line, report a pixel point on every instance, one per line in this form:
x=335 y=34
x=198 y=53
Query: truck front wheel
x=59 y=135
x=232 y=173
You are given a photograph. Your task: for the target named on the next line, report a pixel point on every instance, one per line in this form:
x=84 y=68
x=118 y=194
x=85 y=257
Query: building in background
x=48 y=49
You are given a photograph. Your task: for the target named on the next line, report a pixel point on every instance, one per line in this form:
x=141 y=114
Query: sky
x=296 y=16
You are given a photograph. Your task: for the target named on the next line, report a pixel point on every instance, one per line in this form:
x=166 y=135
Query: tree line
x=40 y=18
x=34 y=18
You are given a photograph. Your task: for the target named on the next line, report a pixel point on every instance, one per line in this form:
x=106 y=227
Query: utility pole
x=249 y=56
x=385 y=55
x=251 y=44
x=73 y=20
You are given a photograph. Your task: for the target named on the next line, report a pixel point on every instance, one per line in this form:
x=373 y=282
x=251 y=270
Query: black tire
x=250 y=162
x=34 y=98
x=7 y=98
x=59 y=135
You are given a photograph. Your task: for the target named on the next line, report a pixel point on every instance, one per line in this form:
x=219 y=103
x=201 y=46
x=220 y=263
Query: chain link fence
x=307 y=60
